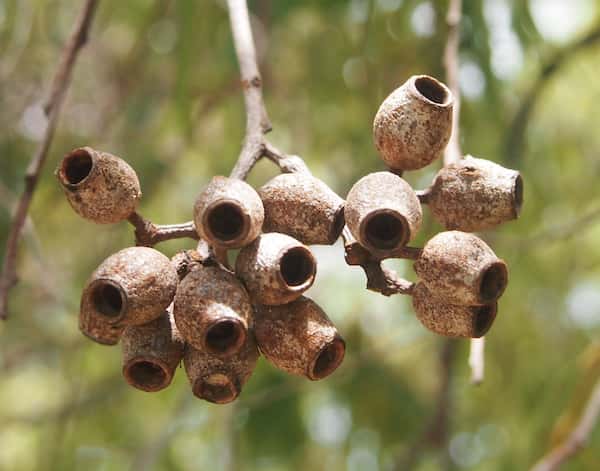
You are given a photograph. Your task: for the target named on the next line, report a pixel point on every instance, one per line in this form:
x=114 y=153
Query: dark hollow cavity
x=218 y=393
x=329 y=359
x=518 y=194
x=77 y=166
x=297 y=266
x=223 y=336
x=493 y=282
x=226 y=221
x=385 y=231
x=107 y=300
x=432 y=90
x=147 y=375
x=484 y=318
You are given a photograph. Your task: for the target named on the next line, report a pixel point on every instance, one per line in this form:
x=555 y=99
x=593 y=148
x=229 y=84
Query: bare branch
x=477 y=360
x=578 y=437
x=53 y=105
x=453 y=19
x=149 y=234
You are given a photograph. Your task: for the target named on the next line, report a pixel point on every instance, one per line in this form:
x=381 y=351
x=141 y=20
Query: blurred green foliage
x=157 y=85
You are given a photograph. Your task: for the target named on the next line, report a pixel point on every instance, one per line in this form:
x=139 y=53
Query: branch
x=477 y=360
x=578 y=437
x=453 y=152
x=52 y=107
x=149 y=234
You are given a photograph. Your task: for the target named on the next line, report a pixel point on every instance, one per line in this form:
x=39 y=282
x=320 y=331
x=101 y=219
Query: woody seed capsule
x=151 y=353
x=413 y=124
x=276 y=268
x=303 y=207
x=461 y=269
x=220 y=380
x=228 y=213
x=451 y=320
x=299 y=338
x=475 y=194
x=99 y=186
x=213 y=311
x=131 y=287
x=383 y=212
x=98 y=327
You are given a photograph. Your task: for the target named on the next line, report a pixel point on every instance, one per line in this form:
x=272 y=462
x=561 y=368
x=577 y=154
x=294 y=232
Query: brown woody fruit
x=303 y=207
x=213 y=311
x=452 y=320
x=99 y=186
x=299 y=338
x=461 y=269
x=131 y=287
x=383 y=212
x=228 y=213
x=475 y=194
x=151 y=353
x=413 y=124
x=276 y=269
x=98 y=327
x=220 y=380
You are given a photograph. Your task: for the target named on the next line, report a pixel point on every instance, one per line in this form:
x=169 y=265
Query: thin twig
x=477 y=360
x=453 y=152
x=149 y=234
x=52 y=107
x=578 y=437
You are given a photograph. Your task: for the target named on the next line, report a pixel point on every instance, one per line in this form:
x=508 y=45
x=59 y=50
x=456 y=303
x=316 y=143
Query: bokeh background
x=158 y=85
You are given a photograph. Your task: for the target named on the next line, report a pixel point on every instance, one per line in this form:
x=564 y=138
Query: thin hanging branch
x=578 y=437
x=149 y=234
x=52 y=108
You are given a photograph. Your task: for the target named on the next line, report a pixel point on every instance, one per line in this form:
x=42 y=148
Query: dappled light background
x=158 y=86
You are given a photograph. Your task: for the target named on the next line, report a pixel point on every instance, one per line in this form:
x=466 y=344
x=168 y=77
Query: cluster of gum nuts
x=218 y=319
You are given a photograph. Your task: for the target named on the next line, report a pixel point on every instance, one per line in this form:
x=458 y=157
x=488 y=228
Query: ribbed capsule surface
x=475 y=195
x=413 y=124
x=131 y=287
x=299 y=338
x=213 y=311
x=98 y=327
x=303 y=207
x=220 y=380
x=451 y=320
x=383 y=212
x=462 y=269
x=99 y=186
x=276 y=268
x=228 y=213
x=151 y=353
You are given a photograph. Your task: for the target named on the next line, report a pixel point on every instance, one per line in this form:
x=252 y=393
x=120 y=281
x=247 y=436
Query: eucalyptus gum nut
x=383 y=212
x=299 y=338
x=413 y=124
x=475 y=195
x=451 y=320
x=99 y=186
x=212 y=311
x=216 y=379
x=151 y=353
x=303 y=207
x=276 y=269
x=97 y=327
x=131 y=287
x=228 y=213
x=461 y=269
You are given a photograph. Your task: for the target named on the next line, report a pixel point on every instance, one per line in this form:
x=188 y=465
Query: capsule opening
x=493 y=282
x=328 y=359
x=518 y=194
x=297 y=266
x=146 y=375
x=217 y=388
x=225 y=336
x=386 y=231
x=484 y=318
x=432 y=90
x=226 y=222
x=77 y=166
x=108 y=299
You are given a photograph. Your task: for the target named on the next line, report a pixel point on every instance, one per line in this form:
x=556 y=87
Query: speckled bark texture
x=383 y=212
x=151 y=353
x=228 y=213
x=219 y=380
x=131 y=287
x=475 y=195
x=98 y=327
x=452 y=320
x=413 y=124
x=99 y=186
x=303 y=207
x=299 y=338
x=276 y=269
x=212 y=311
x=462 y=269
